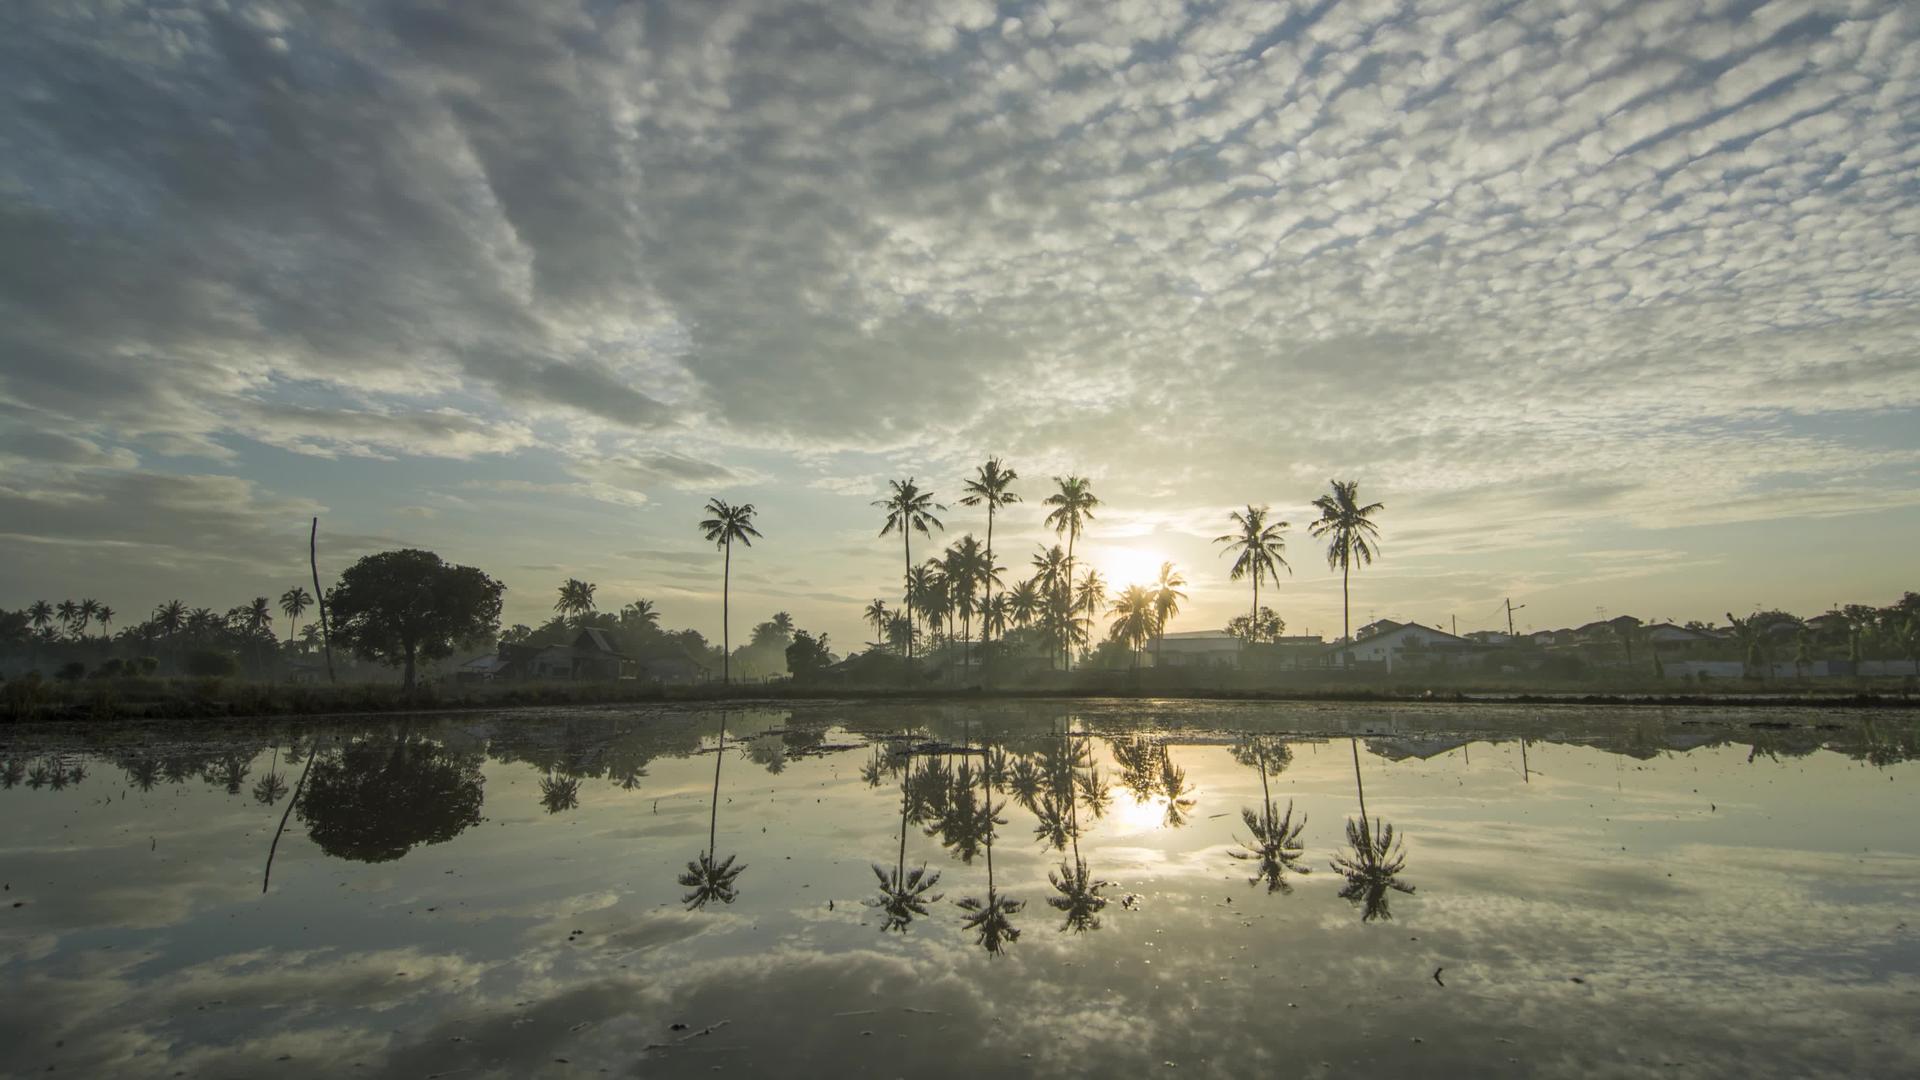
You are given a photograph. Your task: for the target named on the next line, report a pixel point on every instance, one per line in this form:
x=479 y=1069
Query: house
x=1199 y=649
x=1488 y=637
x=590 y=656
x=1669 y=636
x=1408 y=644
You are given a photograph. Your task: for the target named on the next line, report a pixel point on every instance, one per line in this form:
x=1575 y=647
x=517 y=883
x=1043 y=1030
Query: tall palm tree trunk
x=988 y=584
x=1066 y=651
x=1359 y=784
x=1346 y=616
x=713 y=818
x=726 y=600
x=906 y=541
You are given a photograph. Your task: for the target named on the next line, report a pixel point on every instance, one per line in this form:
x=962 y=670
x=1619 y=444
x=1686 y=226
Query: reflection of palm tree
x=707 y=879
x=1276 y=836
x=558 y=793
x=1376 y=859
x=903 y=896
x=1173 y=781
x=991 y=919
x=1079 y=900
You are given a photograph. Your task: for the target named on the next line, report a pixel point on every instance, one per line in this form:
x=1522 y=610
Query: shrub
x=71 y=671
x=211 y=664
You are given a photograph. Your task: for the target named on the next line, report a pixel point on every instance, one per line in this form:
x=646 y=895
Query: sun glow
x=1129 y=566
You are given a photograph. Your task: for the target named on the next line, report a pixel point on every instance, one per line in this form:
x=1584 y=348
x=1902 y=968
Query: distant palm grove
x=956 y=617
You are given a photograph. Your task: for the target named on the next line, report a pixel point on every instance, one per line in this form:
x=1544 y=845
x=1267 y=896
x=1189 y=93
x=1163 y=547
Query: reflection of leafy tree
x=904 y=894
x=1276 y=836
x=706 y=879
x=375 y=799
x=1375 y=860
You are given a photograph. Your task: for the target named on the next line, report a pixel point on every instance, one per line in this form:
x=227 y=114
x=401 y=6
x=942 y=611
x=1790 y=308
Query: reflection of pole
x=1526 y=773
x=275 y=846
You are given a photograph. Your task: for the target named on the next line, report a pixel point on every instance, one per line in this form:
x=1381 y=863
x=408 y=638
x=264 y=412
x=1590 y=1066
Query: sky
x=1613 y=305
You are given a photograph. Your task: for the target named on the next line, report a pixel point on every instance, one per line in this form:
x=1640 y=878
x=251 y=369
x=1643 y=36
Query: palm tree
x=293 y=604
x=1088 y=598
x=877 y=616
x=259 y=615
x=967 y=568
x=88 y=610
x=1166 y=604
x=1135 y=621
x=1023 y=603
x=105 y=616
x=171 y=617
x=1261 y=550
x=576 y=598
x=909 y=510
x=707 y=878
x=1376 y=860
x=69 y=613
x=1073 y=507
x=1351 y=535
x=727 y=524
x=991 y=486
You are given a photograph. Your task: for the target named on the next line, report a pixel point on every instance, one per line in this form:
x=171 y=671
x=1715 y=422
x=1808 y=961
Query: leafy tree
x=808 y=656
x=400 y=607
x=1263 y=626
x=725 y=524
x=210 y=664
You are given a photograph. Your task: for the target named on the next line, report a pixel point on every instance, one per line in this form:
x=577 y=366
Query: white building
x=1405 y=644
x=1199 y=648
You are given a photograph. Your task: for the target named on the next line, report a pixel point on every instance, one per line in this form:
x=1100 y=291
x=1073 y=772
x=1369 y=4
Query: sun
x=1124 y=566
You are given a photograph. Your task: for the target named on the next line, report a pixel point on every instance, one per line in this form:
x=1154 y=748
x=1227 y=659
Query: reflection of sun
x=1129 y=566
x=1130 y=815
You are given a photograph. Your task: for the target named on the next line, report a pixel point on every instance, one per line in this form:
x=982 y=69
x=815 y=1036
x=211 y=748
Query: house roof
x=1200 y=635
x=1430 y=635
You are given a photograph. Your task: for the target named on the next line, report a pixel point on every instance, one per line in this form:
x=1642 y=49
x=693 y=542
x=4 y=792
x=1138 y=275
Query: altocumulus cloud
x=1513 y=250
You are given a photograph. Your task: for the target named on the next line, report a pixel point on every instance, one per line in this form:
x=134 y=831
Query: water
x=1621 y=893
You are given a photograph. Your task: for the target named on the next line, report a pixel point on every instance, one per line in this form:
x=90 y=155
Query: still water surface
x=1117 y=890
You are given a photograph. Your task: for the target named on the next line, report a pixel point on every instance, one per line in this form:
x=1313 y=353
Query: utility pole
x=1456 y=624
x=1510 y=610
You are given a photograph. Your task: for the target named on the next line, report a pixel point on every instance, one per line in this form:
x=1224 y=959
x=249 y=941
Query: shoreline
x=249 y=701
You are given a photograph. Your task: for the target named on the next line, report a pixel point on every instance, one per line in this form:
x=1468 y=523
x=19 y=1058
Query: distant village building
x=1198 y=649
x=589 y=657
x=1395 y=644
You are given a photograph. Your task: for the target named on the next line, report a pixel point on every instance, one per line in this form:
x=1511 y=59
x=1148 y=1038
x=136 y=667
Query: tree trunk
x=906 y=542
x=319 y=598
x=408 y=683
x=985 y=626
x=1067 y=650
x=1346 y=617
x=726 y=598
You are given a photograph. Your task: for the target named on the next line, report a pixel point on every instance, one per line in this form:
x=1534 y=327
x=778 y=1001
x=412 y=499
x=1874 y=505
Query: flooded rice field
x=1121 y=889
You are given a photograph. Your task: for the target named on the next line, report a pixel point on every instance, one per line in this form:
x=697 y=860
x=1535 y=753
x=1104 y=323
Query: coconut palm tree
x=293 y=604
x=991 y=487
x=1134 y=620
x=1023 y=603
x=171 y=617
x=725 y=524
x=85 y=613
x=1351 y=536
x=1073 y=505
x=909 y=510
x=708 y=878
x=576 y=598
x=40 y=613
x=877 y=616
x=1089 y=596
x=105 y=617
x=1376 y=859
x=967 y=569
x=1261 y=551
x=1166 y=604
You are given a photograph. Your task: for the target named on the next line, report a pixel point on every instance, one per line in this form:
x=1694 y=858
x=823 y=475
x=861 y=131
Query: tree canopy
x=399 y=607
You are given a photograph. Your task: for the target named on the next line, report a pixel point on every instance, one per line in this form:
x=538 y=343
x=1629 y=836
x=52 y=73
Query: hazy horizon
x=1612 y=305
